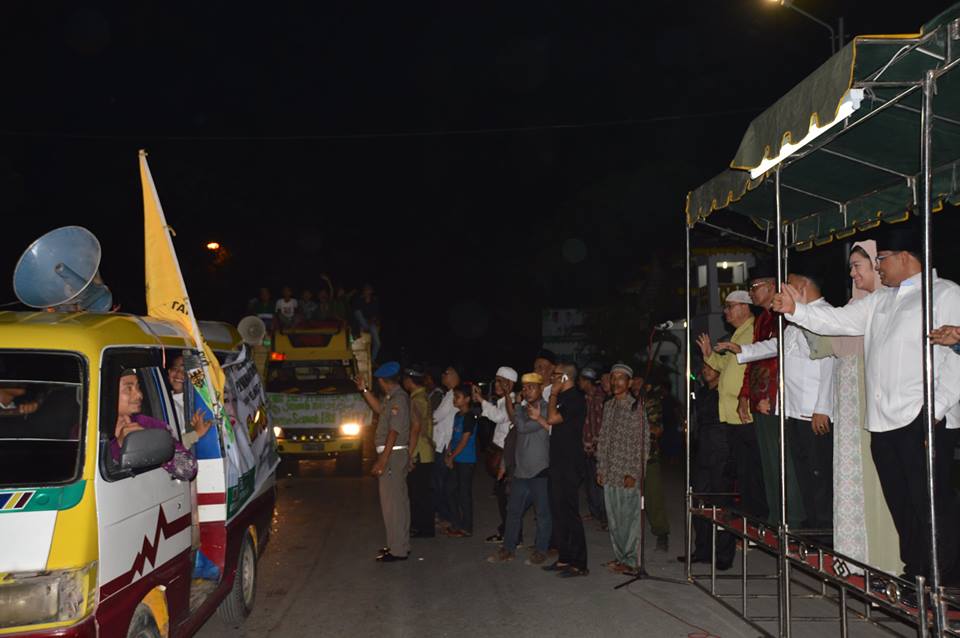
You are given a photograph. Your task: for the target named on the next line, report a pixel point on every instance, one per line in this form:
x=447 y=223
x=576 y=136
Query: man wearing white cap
x=742 y=434
x=503 y=384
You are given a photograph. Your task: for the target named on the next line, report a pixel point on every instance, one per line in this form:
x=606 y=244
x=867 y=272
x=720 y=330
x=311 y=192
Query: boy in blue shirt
x=461 y=457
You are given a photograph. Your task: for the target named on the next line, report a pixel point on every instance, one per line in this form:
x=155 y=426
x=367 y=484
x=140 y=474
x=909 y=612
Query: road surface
x=318 y=578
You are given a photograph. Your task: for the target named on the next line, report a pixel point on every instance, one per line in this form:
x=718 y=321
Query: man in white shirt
x=890 y=320
x=503 y=384
x=808 y=402
x=286 y=309
x=443 y=418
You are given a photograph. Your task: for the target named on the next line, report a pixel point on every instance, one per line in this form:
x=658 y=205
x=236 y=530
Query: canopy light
x=213 y=245
x=849 y=104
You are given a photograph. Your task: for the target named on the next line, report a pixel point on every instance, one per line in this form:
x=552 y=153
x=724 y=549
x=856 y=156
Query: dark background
x=475 y=163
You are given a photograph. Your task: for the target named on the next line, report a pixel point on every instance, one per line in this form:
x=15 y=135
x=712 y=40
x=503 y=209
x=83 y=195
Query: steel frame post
x=782 y=567
x=926 y=135
x=687 y=530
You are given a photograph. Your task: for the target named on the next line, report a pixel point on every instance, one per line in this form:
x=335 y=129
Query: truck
x=312 y=397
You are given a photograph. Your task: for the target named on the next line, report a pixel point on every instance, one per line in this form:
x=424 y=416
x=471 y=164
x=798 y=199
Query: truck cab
x=314 y=404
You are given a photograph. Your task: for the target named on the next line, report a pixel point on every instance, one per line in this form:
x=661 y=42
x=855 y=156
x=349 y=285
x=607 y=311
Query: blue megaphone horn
x=61 y=270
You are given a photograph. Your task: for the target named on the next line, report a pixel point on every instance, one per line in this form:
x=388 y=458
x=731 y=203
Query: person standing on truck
x=420 y=467
x=366 y=316
x=392 y=440
x=286 y=310
x=263 y=306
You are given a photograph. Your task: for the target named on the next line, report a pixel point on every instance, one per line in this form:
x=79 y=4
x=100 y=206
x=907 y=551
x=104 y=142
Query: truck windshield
x=41 y=417
x=309 y=378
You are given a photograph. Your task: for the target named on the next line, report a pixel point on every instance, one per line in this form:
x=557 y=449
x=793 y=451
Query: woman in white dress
x=862 y=526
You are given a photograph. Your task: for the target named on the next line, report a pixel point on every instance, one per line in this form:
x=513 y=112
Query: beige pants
x=395 y=503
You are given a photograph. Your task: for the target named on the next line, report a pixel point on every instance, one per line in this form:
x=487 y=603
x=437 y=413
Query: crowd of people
x=360 y=309
x=854 y=450
x=554 y=431
x=854 y=443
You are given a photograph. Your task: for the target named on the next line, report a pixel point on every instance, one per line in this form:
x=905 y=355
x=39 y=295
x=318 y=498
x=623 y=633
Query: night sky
x=474 y=163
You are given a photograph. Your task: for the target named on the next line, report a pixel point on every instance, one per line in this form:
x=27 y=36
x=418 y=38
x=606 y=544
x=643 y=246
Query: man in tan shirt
x=741 y=435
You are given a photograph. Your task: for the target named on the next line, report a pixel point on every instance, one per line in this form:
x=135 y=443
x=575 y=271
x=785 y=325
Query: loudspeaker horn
x=252 y=330
x=61 y=270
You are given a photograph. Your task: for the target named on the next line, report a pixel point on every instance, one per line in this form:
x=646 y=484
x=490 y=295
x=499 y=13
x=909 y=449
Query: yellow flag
x=167 y=296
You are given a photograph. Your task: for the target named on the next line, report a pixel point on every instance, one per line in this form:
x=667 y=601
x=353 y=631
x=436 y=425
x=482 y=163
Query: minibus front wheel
x=239 y=602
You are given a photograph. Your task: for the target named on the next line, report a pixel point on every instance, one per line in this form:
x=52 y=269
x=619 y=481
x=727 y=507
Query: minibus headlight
x=31 y=598
x=350 y=429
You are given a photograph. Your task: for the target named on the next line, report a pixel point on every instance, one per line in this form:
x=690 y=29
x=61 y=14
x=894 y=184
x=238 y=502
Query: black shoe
x=555 y=567
x=663 y=543
x=693 y=559
x=382 y=551
x=493 y=539
x=390 y=558
x=573 y=572
x=722 y=567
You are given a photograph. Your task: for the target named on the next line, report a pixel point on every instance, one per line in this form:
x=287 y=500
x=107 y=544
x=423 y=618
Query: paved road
x=318 y=578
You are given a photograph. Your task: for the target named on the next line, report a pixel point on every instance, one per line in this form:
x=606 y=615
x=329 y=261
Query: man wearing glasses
x=741 y=435
x=891 y=322
x=758 y=395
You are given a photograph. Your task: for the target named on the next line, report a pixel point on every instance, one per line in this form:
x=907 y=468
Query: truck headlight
x=31 y=598
x=350 y=429
x=278 y=431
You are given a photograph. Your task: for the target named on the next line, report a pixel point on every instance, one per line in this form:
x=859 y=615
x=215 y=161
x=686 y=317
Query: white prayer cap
x=507 y=373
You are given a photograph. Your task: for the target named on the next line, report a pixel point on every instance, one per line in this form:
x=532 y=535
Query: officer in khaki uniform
x=392 y=440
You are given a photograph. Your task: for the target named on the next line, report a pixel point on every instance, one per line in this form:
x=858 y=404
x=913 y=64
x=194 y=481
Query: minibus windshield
x=41 y=417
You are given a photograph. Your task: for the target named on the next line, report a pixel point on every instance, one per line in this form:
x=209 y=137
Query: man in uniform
x=392 y=440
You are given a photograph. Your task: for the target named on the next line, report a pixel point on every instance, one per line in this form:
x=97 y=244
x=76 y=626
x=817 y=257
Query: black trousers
x=711 y=474
x=745 y=451
x=813 y=463
x=500 y=490
x=421 y=498
x=900 y=459
x=460 y=496
x=595 y=502
x=565 y=480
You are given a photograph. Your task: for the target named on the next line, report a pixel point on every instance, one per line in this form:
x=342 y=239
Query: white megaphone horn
x=252 y=330
x=61 y=270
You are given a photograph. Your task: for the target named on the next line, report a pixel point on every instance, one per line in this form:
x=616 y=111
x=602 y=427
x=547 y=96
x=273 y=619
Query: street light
x=836 y=37
x=213 y=246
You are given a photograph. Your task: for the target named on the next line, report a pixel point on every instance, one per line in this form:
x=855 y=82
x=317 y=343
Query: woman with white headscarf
x=862 y=526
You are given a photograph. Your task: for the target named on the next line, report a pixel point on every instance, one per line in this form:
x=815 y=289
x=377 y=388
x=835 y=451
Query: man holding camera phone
x=566 y=412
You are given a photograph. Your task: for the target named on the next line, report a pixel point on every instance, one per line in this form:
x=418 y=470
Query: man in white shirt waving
x=808 y=402
x=890 y=320
x=505 y=380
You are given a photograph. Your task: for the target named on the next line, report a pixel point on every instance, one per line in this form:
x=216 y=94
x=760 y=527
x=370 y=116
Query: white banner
x=312 y=410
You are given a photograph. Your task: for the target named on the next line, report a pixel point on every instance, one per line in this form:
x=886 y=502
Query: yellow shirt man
x=731 y=374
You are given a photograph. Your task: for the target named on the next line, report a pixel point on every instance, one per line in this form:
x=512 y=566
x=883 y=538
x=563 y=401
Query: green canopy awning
x=865 y=168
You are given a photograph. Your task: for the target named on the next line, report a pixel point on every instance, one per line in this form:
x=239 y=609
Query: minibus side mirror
x=146 y=449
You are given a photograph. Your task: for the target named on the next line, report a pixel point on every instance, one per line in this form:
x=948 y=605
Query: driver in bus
x=183 y=465
x=12 y=403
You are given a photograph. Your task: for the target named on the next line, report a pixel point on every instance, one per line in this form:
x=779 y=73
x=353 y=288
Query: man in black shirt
x=566 y=413
x=709 y=472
